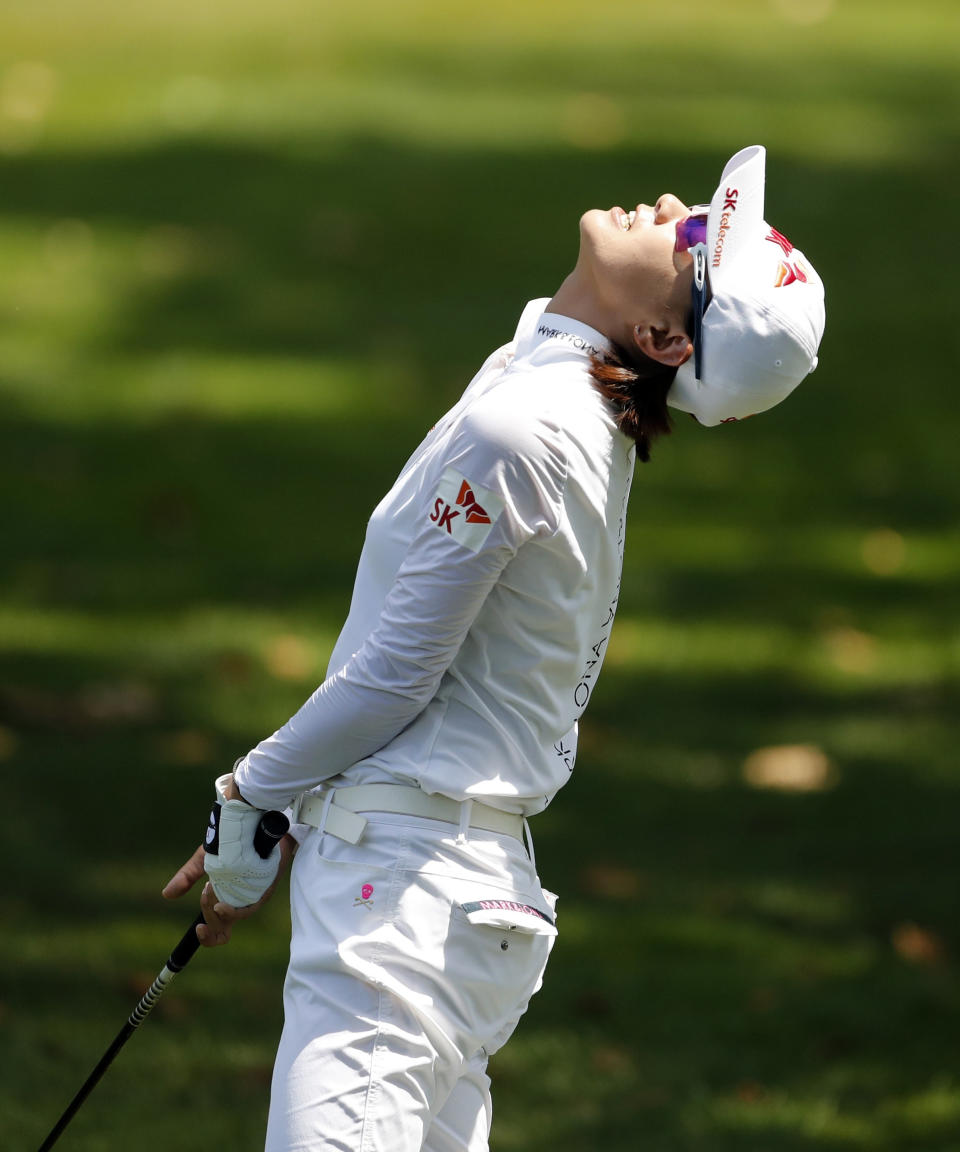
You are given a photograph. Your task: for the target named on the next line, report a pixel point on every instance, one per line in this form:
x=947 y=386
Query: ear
x=662 y=345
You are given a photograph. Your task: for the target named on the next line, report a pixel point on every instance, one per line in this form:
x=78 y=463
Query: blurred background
x=248 y=254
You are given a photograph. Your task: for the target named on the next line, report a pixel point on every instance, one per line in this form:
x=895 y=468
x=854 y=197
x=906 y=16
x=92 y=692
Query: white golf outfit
x=482 y=608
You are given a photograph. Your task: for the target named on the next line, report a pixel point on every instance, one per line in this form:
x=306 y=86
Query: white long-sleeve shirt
x=484 y=596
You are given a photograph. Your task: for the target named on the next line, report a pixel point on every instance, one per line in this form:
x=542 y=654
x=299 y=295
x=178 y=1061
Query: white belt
x=337 y=810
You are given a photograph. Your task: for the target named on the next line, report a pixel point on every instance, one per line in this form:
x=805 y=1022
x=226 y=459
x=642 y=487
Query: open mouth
x=626 y=220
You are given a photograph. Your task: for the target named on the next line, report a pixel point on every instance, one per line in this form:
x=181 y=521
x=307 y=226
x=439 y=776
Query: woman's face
x=632 y=260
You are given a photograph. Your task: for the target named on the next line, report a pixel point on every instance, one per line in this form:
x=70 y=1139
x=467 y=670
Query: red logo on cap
x=776 y=237
x=466 y=499
x=788 y=273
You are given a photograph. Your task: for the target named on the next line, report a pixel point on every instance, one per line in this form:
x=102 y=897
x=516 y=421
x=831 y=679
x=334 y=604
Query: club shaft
x=269 y=832
x=91 y=1082
x=179 y=958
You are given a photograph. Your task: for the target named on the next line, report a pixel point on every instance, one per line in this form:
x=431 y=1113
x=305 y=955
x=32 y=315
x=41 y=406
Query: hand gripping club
x=270 y=831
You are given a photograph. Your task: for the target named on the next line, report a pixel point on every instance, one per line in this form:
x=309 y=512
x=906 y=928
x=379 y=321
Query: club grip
x=270 y=831
x=182 y=954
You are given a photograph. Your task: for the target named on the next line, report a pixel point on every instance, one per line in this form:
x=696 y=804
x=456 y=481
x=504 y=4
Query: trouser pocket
x=511 y=915
x=495 y=953
x=463 y=951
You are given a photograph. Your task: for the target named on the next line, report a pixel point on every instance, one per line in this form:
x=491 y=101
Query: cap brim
x=735 y=216
x=736 y=211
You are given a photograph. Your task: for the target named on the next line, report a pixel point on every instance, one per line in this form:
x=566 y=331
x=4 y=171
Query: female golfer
x=482 y=609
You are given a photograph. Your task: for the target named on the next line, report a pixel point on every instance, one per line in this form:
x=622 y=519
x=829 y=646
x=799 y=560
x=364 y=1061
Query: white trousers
x=394 y=998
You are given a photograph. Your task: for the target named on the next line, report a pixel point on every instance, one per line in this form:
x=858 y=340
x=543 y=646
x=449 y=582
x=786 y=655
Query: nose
x=668 y=208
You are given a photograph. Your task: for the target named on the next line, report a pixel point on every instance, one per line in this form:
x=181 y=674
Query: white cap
x=764 y=322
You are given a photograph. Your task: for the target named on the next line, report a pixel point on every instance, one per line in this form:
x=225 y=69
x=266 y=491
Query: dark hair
x=636 y=387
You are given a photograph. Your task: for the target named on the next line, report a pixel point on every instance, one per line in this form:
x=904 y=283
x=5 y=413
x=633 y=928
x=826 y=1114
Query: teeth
x=626 y=221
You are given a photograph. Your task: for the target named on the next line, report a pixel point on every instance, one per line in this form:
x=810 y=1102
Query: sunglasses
x=692 y=238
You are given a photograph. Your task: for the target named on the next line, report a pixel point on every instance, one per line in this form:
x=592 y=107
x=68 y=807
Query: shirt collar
x=564 y=335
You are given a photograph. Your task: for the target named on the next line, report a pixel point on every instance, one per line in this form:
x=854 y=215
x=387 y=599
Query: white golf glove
x=238 y=874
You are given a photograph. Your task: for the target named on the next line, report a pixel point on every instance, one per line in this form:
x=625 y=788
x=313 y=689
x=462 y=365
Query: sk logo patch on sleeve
x=464 y=510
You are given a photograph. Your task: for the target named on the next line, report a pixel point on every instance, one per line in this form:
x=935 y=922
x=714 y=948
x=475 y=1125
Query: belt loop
x=466 y=811
x=327 y=801
x=528 y=837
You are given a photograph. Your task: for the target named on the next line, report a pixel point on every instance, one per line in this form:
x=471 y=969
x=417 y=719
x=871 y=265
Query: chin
x=592 y=218
x=593 y=229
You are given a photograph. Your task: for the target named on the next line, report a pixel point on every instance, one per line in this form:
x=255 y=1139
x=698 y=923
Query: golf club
x=270 y=831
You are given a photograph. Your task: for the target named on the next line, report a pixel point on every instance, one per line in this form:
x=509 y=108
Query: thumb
x=185 y=877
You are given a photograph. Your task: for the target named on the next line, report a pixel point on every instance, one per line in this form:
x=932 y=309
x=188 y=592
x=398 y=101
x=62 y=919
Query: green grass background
x=248 y=253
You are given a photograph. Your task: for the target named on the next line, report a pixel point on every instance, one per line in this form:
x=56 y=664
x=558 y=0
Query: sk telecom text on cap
x=763 y=314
